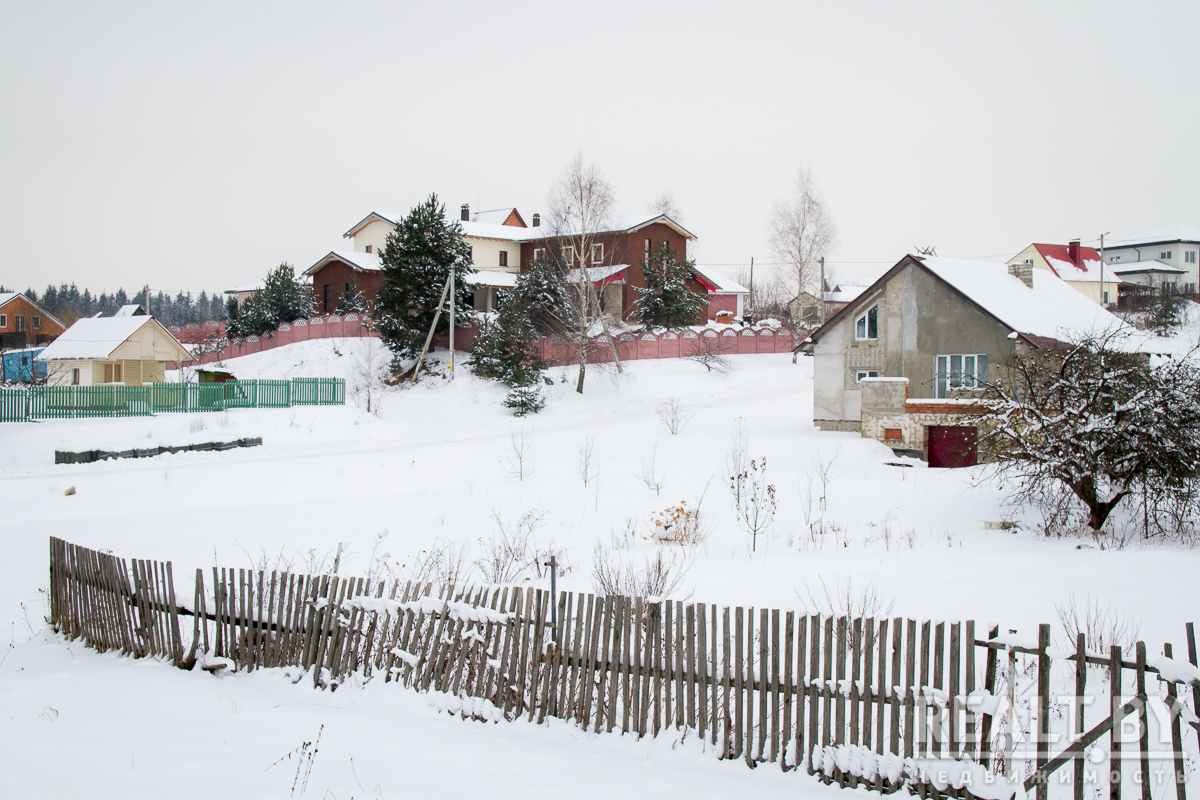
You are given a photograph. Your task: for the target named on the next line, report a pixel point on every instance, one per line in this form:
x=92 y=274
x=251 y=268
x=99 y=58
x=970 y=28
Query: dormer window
x=867 y=325
x=370 y=248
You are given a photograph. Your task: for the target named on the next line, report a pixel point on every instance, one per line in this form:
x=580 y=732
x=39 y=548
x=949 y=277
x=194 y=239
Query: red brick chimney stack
x=1073 y=252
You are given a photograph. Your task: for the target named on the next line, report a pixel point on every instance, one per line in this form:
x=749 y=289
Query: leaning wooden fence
x=945 y=709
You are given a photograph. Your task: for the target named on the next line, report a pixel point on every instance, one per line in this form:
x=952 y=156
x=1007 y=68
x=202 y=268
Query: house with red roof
x=1078 y=266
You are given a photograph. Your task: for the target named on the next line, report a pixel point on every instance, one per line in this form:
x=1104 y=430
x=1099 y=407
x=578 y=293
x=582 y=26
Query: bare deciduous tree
x=665 y=204
x=673 y=415
x=587 y=461
x=519 y=463
x=756 y=507
x=580 y=208
x=650 y=474
x=801 y=232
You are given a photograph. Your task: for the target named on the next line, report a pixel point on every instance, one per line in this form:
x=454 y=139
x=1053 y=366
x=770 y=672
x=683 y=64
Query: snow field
x=430 y=471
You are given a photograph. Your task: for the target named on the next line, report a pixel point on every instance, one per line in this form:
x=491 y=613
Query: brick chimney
x=1073 y=252
x=1024 y=271
x=466 y=212
x=537 y=220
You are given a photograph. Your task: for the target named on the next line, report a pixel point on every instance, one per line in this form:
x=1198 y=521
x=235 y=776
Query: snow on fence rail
x=70 y=402
x=880 y=704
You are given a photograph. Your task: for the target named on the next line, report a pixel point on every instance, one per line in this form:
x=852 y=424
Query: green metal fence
x=318 y=392
x=70 y=402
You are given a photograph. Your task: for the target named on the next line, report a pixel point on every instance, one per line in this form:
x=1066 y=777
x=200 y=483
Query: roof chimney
x=1024 y=271
x=537 y=220
x=1073 y=252
x=466 y=212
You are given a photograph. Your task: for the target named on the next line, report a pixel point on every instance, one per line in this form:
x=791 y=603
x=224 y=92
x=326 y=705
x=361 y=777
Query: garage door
x=952 y=446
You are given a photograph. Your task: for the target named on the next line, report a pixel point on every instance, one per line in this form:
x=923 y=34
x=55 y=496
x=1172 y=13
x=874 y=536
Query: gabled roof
x=1163 y=234
x=512 y=233
x=499 y=216
x=130 y=310
x=8 y=297
x=1050 y=309
x=359 y=262
x=720 y=284
x=95 y=339
x=249 y=287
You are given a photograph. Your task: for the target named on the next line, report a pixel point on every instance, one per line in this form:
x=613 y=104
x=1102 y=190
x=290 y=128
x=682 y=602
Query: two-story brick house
x=502 y=245
x=23 y=322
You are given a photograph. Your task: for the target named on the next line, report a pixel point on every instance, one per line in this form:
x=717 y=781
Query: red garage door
x=952 y=446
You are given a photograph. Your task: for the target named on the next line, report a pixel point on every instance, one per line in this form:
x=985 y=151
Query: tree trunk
x=1098 y=509
x=582 y=370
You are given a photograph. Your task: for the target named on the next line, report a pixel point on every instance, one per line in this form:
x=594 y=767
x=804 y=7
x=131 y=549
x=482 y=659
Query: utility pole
x=821 y=294
x=751 y=309
x=1102 y=300
x=451 y=322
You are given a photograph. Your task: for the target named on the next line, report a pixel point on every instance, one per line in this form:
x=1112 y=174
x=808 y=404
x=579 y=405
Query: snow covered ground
x=433 y=473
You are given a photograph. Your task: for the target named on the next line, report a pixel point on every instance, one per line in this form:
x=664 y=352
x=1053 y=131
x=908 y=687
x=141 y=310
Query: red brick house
x=24 y=323
x=502 y=246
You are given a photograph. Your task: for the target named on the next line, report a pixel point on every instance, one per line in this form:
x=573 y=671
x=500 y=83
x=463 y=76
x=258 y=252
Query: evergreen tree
x=352 y=301
x=282 y=299
x=503 y=348
x=416 y=263
x=544 y=293
x=667 y=302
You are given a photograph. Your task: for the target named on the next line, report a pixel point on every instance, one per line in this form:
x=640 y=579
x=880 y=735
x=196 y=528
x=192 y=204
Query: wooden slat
x=694 y=686
x=726 y=687
x=910 y=685
x=869 y=700
x=739 y=682
x=683 y=676
x=952 y=687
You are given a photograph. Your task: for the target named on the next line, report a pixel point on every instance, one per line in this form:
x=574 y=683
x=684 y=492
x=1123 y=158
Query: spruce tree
x=667 y=302
x=504 y=346
x=352 y=301
x=416 y=262
x=283 y=298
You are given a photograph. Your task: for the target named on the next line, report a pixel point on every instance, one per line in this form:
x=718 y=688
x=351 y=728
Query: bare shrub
x=442 y=562
x=756 y=504
x=649 y=473
x=625 y=537
x=711 y=354
x=658 y=575
x=737 y=459
x=519 y=463
x=673 y=416
x=843 y=600
x=1102 y=626
x=587 y=462
x=678 y=525
x=514 y=553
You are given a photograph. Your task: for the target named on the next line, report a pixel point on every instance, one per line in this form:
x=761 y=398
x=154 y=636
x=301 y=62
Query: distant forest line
x=68 y=304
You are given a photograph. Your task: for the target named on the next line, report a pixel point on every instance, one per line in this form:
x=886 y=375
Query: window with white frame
x=1165 y=254
x=75 y=376
x=865 y=373
x=3 y=320
x=598 y=254
x=959 y=371
x=569 y=254
x=867 y=324
x=1189 y=257
x=538 y=252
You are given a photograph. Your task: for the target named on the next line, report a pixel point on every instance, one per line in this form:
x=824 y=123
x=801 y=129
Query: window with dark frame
x=504 y=258
x=20 y=323
x=328 y=296
x=647 y=251
x=370 y=248
x=37 y=322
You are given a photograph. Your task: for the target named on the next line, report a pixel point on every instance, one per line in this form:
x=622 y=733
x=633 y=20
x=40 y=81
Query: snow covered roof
x=1163 y=234
x=249 y=287
x=491 y=277
x=1088 y=270
x=598 y=274
x=498 y=216
x=96 y=338
x=723 y=284
x=511 y=233
x=1143 y=267
x=130 y=310
x=844 y=293
x=7 y=296
x=368 y=262
x=1050 y=309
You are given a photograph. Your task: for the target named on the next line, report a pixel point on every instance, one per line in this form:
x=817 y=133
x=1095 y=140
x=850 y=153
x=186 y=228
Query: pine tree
x=504 y=346
x=667 y=302
x=416 y=263
x=282 y=299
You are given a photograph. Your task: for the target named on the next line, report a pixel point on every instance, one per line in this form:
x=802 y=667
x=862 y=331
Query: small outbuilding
x=131 y=350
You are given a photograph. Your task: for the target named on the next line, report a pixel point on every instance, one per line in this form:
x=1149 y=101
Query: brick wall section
x=889 y=416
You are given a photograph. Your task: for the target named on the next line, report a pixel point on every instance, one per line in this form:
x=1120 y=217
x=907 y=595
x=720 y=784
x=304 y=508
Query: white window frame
x=1189 y=256
x=75 y=376
x=538 y=252
x=943 y=365
x=569 y=254
x=864 y=318
x=3 y=320
x=598 y=259
x=865 y=373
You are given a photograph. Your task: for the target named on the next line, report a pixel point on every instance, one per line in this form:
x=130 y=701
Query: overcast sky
x=197 y=145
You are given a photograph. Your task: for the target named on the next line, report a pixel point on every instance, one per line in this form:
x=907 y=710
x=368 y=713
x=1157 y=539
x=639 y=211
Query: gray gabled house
x=904 y=361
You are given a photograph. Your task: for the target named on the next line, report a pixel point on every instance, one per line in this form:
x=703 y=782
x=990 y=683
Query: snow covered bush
x=1099 y=420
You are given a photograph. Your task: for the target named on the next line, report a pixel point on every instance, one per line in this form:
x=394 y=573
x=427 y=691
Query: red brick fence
x=556 y=349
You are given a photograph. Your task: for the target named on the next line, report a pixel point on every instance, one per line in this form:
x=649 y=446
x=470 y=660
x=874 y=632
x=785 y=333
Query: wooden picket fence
x=877 y=703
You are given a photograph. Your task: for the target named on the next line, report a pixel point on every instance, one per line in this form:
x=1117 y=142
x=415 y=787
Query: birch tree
x=801 y=232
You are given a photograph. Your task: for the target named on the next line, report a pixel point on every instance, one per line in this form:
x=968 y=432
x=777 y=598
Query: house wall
x=336 y=274
x=1151 y=252
x=150 y=342
x=485 y=254
x=373 y=233
x=919 y=318
x=46 y=331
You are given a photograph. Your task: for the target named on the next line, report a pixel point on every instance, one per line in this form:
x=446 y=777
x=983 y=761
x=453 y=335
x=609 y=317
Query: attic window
x=867 y=325
x=370 y=248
